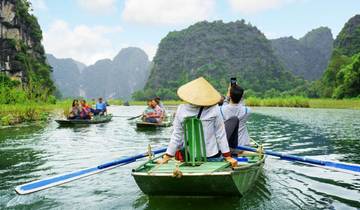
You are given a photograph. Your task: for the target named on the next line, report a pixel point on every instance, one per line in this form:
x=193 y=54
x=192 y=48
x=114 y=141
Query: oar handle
x=129 y=159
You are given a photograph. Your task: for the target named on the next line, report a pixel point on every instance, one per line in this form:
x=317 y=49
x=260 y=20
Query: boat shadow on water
x=257 y=195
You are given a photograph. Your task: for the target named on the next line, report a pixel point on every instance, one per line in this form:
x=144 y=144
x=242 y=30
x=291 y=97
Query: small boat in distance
x=95 y=120
x=167 y=122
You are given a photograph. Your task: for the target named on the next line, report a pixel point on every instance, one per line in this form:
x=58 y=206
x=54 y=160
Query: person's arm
x=176 y=140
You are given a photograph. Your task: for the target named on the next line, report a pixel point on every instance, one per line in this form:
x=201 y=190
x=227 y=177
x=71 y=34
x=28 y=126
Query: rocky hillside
x=217 y=51
x=342 y=77
x=117 y=78
x=66 y=75
x=22 y=55
x=308 y=56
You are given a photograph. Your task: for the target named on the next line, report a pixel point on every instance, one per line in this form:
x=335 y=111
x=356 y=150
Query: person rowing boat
x=202 y=99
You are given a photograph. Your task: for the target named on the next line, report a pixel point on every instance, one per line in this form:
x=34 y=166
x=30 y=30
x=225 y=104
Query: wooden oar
x=71 y=176
x=131 y=118
x=339 y=166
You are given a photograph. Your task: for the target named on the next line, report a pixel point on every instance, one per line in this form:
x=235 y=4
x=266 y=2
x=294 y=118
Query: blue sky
x=89 y=30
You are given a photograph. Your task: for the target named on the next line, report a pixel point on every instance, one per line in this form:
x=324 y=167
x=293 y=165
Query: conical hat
x=199 y=92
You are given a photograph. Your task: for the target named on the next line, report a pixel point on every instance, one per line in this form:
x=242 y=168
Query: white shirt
x=243 y=113
x=213 y=125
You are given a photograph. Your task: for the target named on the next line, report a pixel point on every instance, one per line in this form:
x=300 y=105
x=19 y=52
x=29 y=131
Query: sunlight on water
x=35 y=152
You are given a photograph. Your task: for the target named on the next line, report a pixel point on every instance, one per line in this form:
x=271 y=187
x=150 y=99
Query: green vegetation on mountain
x=23 y=57
x=342 y=77
x=307 y=57
x=217 y=51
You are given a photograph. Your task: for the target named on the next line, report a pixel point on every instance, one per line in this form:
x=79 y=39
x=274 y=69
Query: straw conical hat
x=199 y=92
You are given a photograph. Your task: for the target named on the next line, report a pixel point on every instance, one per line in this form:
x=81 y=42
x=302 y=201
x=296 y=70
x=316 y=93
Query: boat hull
x=102 y=119
x=220 y=183
x=152 y=125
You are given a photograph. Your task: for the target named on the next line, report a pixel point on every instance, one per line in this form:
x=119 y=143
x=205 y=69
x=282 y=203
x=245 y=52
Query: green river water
x=37 y=151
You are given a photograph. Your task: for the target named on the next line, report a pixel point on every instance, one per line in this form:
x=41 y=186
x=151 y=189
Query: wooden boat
x=206 y=179
x=167 y=122
x=95 y=120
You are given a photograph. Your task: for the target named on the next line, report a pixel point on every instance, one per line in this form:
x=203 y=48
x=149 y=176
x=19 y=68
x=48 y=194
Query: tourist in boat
x=100 y=107
x=235 y=115
x=202 y=99
x=149 y=109
x=85 y=110
x=75 y=110
x=155 y=116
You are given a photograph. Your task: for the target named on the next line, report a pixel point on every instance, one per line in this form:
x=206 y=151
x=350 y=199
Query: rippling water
x=38 y=151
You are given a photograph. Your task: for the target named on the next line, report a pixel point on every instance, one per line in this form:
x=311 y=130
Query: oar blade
x=343 y=167
x=62 y=179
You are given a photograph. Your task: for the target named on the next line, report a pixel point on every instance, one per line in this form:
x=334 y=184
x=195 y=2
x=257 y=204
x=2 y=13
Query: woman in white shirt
x=200 y=93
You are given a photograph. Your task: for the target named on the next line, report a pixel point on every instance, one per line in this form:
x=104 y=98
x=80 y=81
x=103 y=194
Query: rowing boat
x=95 y=120
x=167 y=122
x=215 y=178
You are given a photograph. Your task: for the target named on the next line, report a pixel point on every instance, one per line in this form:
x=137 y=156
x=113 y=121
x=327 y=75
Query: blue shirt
x=101 y=106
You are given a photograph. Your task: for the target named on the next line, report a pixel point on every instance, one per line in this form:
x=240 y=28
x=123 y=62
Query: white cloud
x=167 y=12
x=83 y=43
x=256 y=6
x=98 y=7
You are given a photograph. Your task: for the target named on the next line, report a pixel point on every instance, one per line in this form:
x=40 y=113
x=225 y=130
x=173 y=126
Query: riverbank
x=284 y=102
x=11 y=114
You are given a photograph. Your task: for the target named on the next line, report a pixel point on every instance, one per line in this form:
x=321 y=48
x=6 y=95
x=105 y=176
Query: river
x=40 y=150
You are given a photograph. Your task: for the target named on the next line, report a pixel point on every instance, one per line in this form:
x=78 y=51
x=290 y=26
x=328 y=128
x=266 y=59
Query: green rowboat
x=167 y=122
x=95 y=120
x=207 y=179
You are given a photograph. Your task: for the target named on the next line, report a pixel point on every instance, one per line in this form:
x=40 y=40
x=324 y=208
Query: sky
x=90 y=30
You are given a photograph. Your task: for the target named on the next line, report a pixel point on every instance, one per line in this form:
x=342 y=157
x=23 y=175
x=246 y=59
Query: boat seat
x=206 y=167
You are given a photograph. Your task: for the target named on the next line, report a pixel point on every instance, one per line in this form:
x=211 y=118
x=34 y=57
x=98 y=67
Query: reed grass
x=335 y=104
x=11 y=114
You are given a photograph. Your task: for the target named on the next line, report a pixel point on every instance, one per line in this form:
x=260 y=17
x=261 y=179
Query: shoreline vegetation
x=11 y=114
x=299 y=102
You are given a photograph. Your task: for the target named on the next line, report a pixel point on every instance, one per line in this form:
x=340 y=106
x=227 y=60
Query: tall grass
x=11 y=114
x=294 y=101
x=334 y=103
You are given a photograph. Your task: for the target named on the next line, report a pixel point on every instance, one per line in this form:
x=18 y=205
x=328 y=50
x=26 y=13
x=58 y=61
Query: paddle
x=343 y=167
x=71 y=176
x=131 y=118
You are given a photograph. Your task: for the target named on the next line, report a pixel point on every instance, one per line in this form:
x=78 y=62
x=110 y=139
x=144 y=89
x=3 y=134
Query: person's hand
x=232 y=161
x=228 y=91
x=164 y=159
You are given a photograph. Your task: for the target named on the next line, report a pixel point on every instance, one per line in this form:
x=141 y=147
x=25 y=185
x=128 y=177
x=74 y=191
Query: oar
x=131 y=118
x=344 y=167
x=71 y=176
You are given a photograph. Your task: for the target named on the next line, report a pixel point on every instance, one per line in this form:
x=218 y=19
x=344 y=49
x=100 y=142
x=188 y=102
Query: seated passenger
x=85 y=110
x=156 y=116
x=75 y=110
x=202 y=99
x=161 y=105
x=149 y=108
x=235 y=115
x=100 y=108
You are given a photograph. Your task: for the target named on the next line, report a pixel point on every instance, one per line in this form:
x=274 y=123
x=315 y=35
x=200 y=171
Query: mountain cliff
x=117 y=78
x=22 y=56
x=308 y=56
x=66 y=75
x=217 y=51
x=342 y=77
